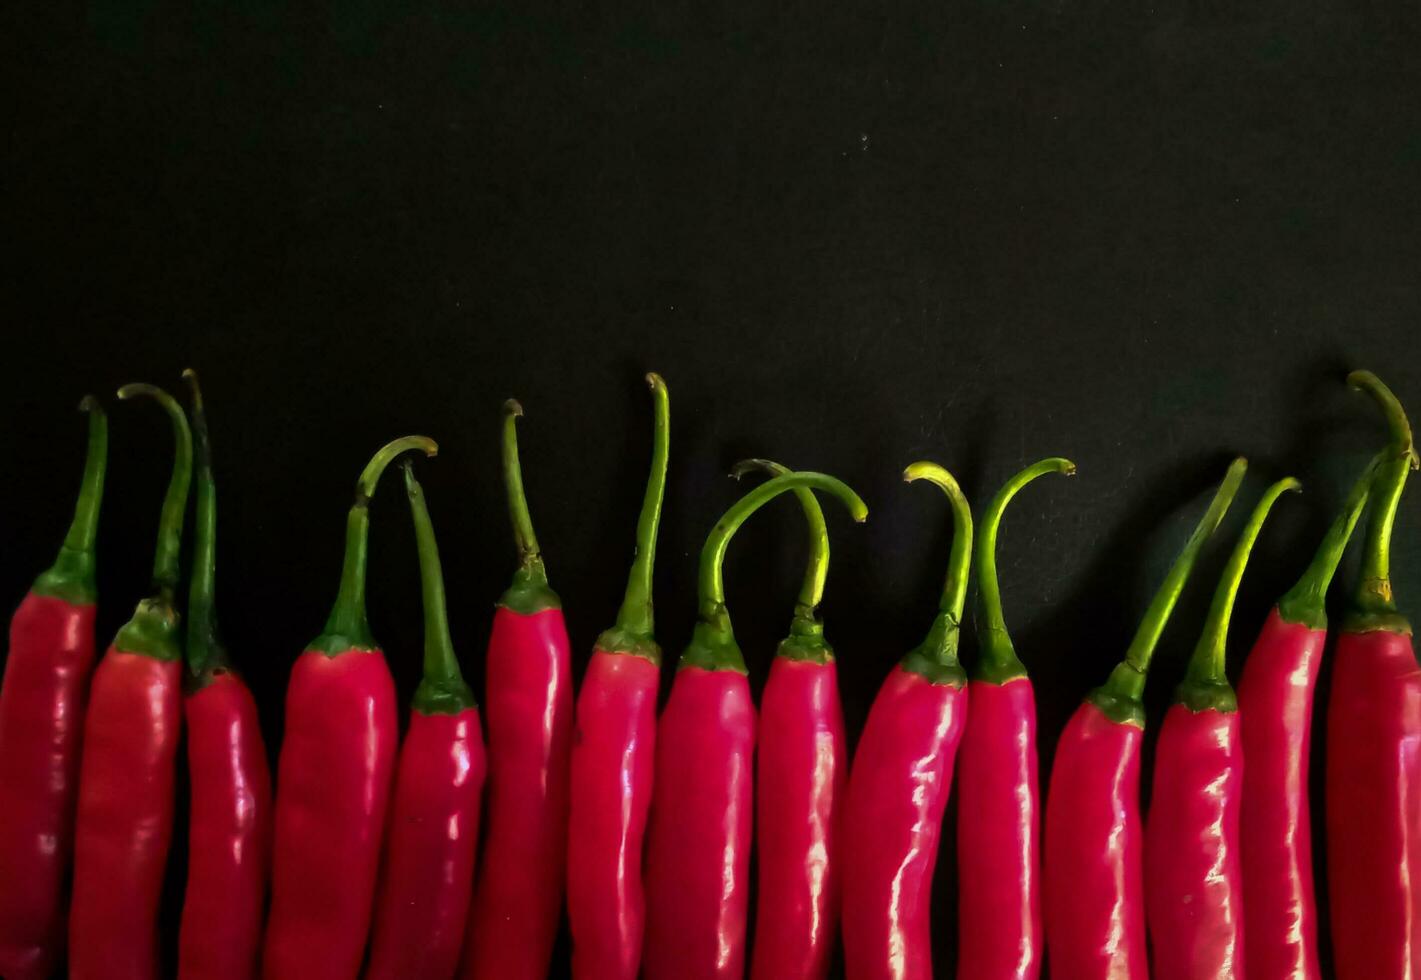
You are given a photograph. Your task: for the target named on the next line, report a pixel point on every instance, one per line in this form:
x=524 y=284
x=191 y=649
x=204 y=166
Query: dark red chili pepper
x=1093 y=874
x=229 y=841
x=801 y=771
x=433 y=834
x=518 y=895
x=1374 y=748
x=41 y=714
x=901 y=778
x=613 y=754
x=999 y=810
x=128 y=775
x=1193 y=876
x=1275 y=716
x=698 y=847
x=333 y=777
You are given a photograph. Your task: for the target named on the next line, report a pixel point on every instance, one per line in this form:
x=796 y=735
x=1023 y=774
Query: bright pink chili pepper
x=518 y=894
x=1092 y=873
x=1194 y=893
x=900 y=781
x=614 y=754
x=999 y=811
x=698 y=844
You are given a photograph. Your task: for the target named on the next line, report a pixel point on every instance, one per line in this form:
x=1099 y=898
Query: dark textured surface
x=849 y=238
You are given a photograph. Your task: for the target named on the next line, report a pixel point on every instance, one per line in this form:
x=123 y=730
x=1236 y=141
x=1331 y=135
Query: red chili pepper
x=999 y=811
x=613 y=754
x=433 y=836
x=518 y=896
x=333 y=777
x=801 y=771
x=1194 y=879
x=1093 y=875
x=698 y=849
x=41 y=707
x=128 y=775
x=1275 y=715
x=1374 y=748
x=901 y=778
x=229 y=842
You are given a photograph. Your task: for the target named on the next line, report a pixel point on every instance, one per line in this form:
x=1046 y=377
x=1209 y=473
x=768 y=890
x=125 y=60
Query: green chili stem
x=84 y=530
x=170 y=523
x=1207 y=664
x=442 y=689
x=1374 y=596
x=636 y=618
x=998 y=661
x=205 y=652
x=816 y=572
x=1305 y=602
x=936 y=657
x=348 y=626
x=529 y=557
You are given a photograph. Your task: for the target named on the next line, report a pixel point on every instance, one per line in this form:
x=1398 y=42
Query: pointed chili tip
x=91 y=404
x=513 y=408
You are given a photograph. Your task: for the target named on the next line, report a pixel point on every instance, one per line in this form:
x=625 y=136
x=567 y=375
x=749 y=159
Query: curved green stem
x=1306 y=602
x=442 y=689
x=1206 y=684
x=170 y=523
x=806 y=633
x=205 y=652
x=998 y=662
x=1374 y=603
x=348 y=627
x=635 y=626
x=529 y=592
x=713 y=644
x=936 y=657
x=71 y=577
x=1119 y=696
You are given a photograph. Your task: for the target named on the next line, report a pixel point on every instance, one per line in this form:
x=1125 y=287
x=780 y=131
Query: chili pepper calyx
x=72 y=576
x=153 y=630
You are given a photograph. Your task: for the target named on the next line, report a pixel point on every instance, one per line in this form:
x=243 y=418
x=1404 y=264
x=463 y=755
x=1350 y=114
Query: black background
x=849 y=236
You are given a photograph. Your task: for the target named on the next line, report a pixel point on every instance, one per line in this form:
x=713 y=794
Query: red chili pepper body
x=1374 y=806
x=999 y=834
x=1275 y=698
x=800 y=788
x=698 y=851
x=41 y=721
x=125 y=820
x=430 y=849
x=898 y=789
x=334 y=774
x=229 y=844
x=1093 y=886
x=1194 y=891
x=42 y=705
x=514 y=916
x=613 y=761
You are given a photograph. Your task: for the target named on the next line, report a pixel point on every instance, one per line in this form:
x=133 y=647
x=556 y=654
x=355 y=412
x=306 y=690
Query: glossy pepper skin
x=801 y=773
x=333 y=776
x=430 y=846
x=1374 y=748
x=229 y=840
x=1093 y=862
x=698 y=844
x=999 y=809
x=41 y=719
x=1275 y=697
x=1194 y=895
x=128 y=775
x=613 y=756
x=901 y=779
x=518 y=894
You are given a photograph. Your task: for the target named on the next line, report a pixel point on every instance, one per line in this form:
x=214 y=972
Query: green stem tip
x=1374 y=603
x=998 y=662
x=1206 y=684
x=1120 y=696
x=71 y=577
x=205 y=652
x=936 y=657
x=170 y=523
x=529 y=592
x=636 y=620
x=442 y=690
